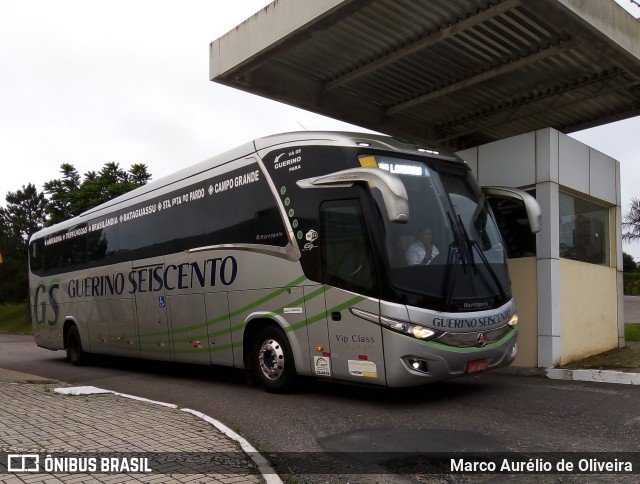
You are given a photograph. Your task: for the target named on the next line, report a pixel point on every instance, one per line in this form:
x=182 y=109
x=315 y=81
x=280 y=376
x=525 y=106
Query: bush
x=631 y=284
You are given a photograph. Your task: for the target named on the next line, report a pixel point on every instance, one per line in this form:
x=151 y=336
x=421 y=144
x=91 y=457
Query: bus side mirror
x=391 y=187
x=531 y=205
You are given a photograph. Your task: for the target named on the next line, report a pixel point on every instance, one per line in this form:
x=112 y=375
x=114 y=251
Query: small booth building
x=500 y=83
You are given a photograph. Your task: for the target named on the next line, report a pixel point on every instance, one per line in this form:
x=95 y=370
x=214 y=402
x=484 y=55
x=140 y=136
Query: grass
x=632 y=332
x=14 y=319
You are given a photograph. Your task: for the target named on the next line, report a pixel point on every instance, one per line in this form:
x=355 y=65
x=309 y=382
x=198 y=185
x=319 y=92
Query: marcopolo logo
x=476 y=305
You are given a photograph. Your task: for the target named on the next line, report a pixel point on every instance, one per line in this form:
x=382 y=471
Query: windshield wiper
x=454 y=258
x=471 y=243
x=468 y=243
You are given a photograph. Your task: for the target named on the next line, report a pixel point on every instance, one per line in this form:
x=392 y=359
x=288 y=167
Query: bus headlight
x=513 y=322
x=421 y=332
x=404 y=327
x=415 y=330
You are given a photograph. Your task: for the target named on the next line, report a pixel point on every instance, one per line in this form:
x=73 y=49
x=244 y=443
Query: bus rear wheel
x=273 y=364
x=73 y=344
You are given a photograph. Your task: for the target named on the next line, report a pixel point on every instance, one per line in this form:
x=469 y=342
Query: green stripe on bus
x=260 y=301
x=229 y=315
x=276 y=312
x=294 y=327
x=241 y=326
x=323 y=314
x=306 y=321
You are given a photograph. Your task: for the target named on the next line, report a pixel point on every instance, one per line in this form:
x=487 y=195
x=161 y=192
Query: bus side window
x=36 y=257
x=347 y=259
x=102 y=245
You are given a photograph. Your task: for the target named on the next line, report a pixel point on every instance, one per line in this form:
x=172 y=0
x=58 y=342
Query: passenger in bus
x=422 y=250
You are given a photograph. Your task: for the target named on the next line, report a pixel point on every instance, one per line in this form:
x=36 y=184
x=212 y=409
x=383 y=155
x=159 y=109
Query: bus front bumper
x=410 y=362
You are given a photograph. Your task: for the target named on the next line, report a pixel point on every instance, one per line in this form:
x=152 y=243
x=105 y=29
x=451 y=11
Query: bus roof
x=349 y=139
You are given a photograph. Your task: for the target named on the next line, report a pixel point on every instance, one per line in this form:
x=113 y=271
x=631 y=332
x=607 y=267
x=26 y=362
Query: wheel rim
x=271 y=359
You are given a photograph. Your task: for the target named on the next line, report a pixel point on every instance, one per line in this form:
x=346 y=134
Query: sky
x=88 y=82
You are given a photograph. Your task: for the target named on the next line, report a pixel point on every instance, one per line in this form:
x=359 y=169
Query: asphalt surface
x=85 y=434
x=632 y=309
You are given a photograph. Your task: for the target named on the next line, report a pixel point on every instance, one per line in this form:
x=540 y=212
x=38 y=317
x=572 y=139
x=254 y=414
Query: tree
x=9 y=291
x=62 y=193
x=631 y=222
x=112 y=182
x=70 y=196
x=23 y=216
x=628 y=263
x=25 y=213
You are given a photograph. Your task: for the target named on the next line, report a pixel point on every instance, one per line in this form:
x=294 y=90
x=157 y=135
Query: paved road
x=632 y=309
x=481 y=413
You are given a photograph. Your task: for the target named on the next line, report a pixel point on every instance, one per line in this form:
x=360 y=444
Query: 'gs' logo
x=40 y=308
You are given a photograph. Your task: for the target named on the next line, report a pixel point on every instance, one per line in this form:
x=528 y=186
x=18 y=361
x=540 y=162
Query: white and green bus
x=295 y=254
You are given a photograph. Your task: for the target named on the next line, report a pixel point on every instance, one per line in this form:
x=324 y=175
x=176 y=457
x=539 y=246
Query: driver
x=422 y=250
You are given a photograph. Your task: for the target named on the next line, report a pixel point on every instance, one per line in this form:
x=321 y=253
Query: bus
x=292 y=255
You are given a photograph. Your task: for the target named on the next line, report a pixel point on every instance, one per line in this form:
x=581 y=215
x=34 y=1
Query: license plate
x=477 y=366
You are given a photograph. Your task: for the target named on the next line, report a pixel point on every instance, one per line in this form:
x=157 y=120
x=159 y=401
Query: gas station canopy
x=454 y=73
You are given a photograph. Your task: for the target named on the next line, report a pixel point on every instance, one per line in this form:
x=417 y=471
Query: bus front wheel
x=273 y=364
x=75 y=355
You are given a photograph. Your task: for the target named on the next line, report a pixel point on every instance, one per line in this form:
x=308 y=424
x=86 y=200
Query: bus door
x=348 y=269
x=189 y=328
x=219 y=329
x=151 y=309
x=115 y=332
x=198 y=320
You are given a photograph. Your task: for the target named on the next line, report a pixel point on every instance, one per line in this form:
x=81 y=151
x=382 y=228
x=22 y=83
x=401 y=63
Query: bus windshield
x=451 y=249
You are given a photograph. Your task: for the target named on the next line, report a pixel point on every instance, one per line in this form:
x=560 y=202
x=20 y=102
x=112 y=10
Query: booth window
x=584 y=230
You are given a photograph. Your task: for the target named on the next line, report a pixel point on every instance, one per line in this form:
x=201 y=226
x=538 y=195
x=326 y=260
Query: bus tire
x=272 y=360
x=73 y=345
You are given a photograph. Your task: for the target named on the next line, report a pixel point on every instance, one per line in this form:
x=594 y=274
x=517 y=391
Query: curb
x=268 y=473
x=599 y=376
x=596 y=376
